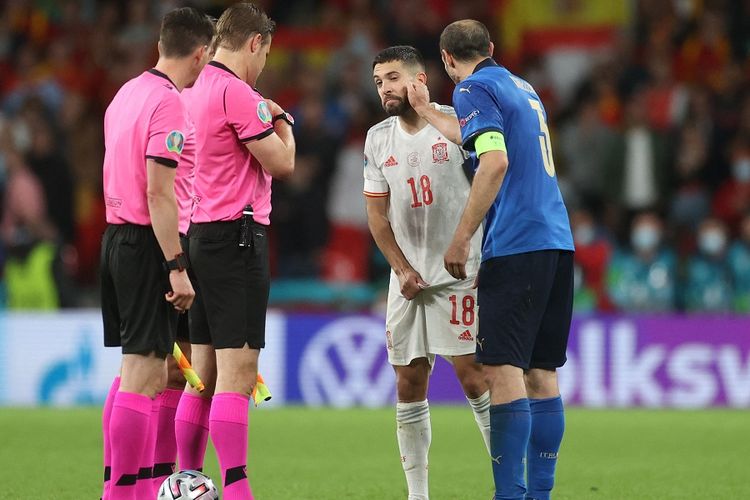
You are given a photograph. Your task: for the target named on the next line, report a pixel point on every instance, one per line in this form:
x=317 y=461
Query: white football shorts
x=438 y=321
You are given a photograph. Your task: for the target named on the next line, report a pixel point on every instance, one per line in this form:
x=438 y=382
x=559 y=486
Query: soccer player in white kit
x=416 y=188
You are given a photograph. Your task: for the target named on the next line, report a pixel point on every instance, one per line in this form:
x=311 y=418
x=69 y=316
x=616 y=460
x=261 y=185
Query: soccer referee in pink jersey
x=243 y=141
x=144 y=283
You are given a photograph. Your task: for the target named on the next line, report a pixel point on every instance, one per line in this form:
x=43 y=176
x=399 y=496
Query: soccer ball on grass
x=188 y=485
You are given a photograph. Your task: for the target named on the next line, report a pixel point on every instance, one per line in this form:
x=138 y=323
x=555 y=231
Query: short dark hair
x=241 y=21
x=183 y=30
x=466 y=40
x=404 y=53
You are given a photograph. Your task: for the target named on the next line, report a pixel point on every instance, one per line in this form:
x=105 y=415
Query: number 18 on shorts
x=438 y=321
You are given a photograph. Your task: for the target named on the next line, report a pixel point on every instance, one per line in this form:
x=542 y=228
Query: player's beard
x=397 y=109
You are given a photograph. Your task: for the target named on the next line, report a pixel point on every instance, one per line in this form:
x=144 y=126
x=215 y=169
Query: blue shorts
x=525 y=308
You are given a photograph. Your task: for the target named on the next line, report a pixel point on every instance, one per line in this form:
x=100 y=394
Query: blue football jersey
x=529 y=213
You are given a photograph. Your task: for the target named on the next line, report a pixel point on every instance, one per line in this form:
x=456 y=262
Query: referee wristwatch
x=179 y=263
x=287 y=117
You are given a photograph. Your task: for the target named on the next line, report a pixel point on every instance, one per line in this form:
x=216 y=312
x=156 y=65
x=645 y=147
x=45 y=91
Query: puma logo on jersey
x=465 y=89
x=390 y=162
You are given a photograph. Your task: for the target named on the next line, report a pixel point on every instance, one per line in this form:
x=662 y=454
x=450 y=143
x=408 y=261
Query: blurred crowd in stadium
x=648 y=101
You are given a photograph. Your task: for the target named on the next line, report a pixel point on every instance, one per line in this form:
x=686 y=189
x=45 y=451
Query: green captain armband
x=490 y=141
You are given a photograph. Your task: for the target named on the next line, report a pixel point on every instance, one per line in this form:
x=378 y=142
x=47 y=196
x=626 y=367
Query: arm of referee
x=275 y=152
x=162 y=207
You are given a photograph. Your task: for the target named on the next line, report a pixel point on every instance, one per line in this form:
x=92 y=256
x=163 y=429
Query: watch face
x=290 y=118
x=182 y=261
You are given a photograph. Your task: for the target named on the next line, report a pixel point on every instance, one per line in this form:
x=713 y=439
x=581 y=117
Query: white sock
x=414 y=434
x=481 y=408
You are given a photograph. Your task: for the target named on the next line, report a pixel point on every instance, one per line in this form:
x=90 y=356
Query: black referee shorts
x=136 y=315
x=525 y=308
x=232 y=285
x=183 y=328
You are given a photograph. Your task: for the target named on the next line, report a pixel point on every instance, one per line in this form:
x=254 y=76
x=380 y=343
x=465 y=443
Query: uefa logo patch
x=414 y=159
x=264 y=114
x=466 y=119
x=175 y=141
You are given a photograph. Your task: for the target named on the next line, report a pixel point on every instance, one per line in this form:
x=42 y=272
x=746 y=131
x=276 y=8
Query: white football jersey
x=423 y=176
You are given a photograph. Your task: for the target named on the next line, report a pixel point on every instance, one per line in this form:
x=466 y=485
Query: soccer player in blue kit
x=525 y=281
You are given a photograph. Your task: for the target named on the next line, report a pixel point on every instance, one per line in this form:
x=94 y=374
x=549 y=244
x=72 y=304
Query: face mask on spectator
x=21 y=136
x=645 y=238
x=741 y=170
x=584 y=234
x=711 y=242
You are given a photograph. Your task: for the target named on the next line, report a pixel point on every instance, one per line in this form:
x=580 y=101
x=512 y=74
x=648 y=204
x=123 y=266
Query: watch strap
x=284 y=116
x=179 y=263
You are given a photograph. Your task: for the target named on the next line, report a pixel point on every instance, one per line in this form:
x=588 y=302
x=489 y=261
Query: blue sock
x=510 y=425
x=547 y=427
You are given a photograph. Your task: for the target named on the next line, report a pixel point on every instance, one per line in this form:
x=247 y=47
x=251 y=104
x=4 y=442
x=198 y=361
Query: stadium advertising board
x=58 y=359
x=684 y=361
x=340 y=360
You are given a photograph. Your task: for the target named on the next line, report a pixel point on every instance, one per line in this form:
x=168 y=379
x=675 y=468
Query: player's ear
x=422 y=77
x=199 y=54
x=492 y=48
x=447 y=58
x=255 y=42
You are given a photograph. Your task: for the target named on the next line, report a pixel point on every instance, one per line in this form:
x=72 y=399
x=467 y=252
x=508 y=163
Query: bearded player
x=415 y=189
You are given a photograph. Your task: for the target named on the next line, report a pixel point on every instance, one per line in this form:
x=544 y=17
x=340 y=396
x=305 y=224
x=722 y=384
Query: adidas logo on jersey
x=466 y=335
x=390 y=162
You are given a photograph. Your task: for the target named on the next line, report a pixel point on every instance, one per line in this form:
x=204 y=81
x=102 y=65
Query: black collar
x=158 y=73
x=485 y=64
x=219 y=65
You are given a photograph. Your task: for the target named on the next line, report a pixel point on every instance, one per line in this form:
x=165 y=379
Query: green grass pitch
x=300 y=453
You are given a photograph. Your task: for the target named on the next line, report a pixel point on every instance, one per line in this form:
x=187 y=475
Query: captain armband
x=490 y=141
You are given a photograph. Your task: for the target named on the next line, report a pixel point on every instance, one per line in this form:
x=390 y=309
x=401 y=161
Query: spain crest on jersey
x=440 y=152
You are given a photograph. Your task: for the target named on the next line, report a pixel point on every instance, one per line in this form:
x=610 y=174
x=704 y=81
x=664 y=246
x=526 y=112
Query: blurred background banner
x=648 y=104
x=658 y=361
x=339 y=360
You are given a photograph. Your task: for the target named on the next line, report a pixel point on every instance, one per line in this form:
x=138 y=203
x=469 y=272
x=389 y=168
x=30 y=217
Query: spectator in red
x=593 y=252
x=704 y=53
x=732 y=200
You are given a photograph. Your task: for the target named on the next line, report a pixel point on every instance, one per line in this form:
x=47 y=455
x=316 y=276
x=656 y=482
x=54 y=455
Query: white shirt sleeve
x=376 y=185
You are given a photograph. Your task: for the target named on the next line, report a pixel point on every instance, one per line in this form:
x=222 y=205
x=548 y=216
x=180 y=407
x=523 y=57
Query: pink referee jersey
x=145 y=120
x=183 y=182
x=228 y=113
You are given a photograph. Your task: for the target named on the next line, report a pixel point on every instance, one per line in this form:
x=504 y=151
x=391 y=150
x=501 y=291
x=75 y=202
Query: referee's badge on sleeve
x=175 y=141
x=264 y=114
